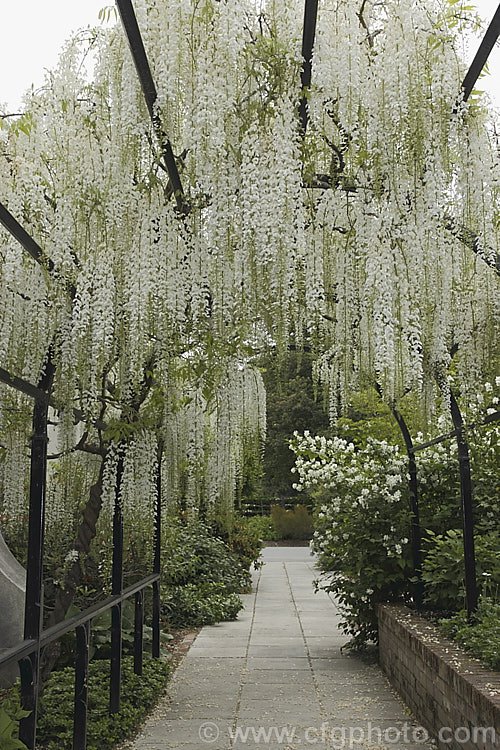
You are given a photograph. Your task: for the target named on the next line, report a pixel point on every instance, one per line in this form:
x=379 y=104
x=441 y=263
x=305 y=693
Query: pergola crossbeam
x=131 y=27
x=23 y=386
x=21 y=235
x=481 y=57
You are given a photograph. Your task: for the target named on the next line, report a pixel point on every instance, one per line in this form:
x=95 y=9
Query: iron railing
x=29 y=651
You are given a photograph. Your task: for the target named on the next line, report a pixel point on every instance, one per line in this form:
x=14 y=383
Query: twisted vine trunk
x=66 y=591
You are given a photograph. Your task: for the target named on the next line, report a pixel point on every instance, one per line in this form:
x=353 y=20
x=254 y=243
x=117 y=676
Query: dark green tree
x=291 y=405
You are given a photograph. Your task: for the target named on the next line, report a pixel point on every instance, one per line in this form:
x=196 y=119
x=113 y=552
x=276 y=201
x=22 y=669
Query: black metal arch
x=309 y=34
x=21 y=235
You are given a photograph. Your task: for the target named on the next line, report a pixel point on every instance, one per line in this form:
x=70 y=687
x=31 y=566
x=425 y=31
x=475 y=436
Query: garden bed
x=453 y=696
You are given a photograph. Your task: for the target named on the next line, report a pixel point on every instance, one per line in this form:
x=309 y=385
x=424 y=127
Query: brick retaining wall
x=443 y=686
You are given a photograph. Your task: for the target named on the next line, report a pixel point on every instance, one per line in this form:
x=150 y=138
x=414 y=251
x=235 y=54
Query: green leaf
x=10 y=726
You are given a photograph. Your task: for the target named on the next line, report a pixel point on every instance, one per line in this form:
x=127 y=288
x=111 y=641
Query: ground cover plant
x=139 y=694
x=104 y=730
x=481 y=635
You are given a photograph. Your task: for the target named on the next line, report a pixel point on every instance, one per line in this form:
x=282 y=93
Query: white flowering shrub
x=362 y=525
x=363 y=521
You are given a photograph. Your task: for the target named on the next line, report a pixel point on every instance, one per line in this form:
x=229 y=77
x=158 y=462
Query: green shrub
x=264 y=528
x=362 y=525
x=199 y=604
x=246 y=544
x=481 y=636
x=196 y=554
x=203 y=573
x=292 y=524
x=139 y=694
x=443 y=570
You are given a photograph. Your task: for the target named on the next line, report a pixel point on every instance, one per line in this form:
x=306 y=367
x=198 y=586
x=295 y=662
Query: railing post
x=117 y=588
x=467 y=509
x=157 y=560
x=29 y=672
x=81 y=686
x=33 y=615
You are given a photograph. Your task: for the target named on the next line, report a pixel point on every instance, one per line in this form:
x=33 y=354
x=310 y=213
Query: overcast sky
x=33 y=31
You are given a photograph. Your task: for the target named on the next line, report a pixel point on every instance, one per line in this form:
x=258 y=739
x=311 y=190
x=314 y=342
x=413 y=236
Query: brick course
x=442 y=684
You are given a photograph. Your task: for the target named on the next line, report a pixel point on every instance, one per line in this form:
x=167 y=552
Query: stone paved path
x=277 y=678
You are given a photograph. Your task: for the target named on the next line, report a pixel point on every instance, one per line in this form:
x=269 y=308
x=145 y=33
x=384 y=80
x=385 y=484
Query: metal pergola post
x=116 y=590
x=481 y=57
x=467 y=508
x=416 y=534
x=33 y=612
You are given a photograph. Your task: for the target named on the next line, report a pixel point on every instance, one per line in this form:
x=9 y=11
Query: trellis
x=28 y=652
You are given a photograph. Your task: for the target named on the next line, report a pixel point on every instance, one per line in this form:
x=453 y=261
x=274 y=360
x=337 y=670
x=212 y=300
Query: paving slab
x=279 y=677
